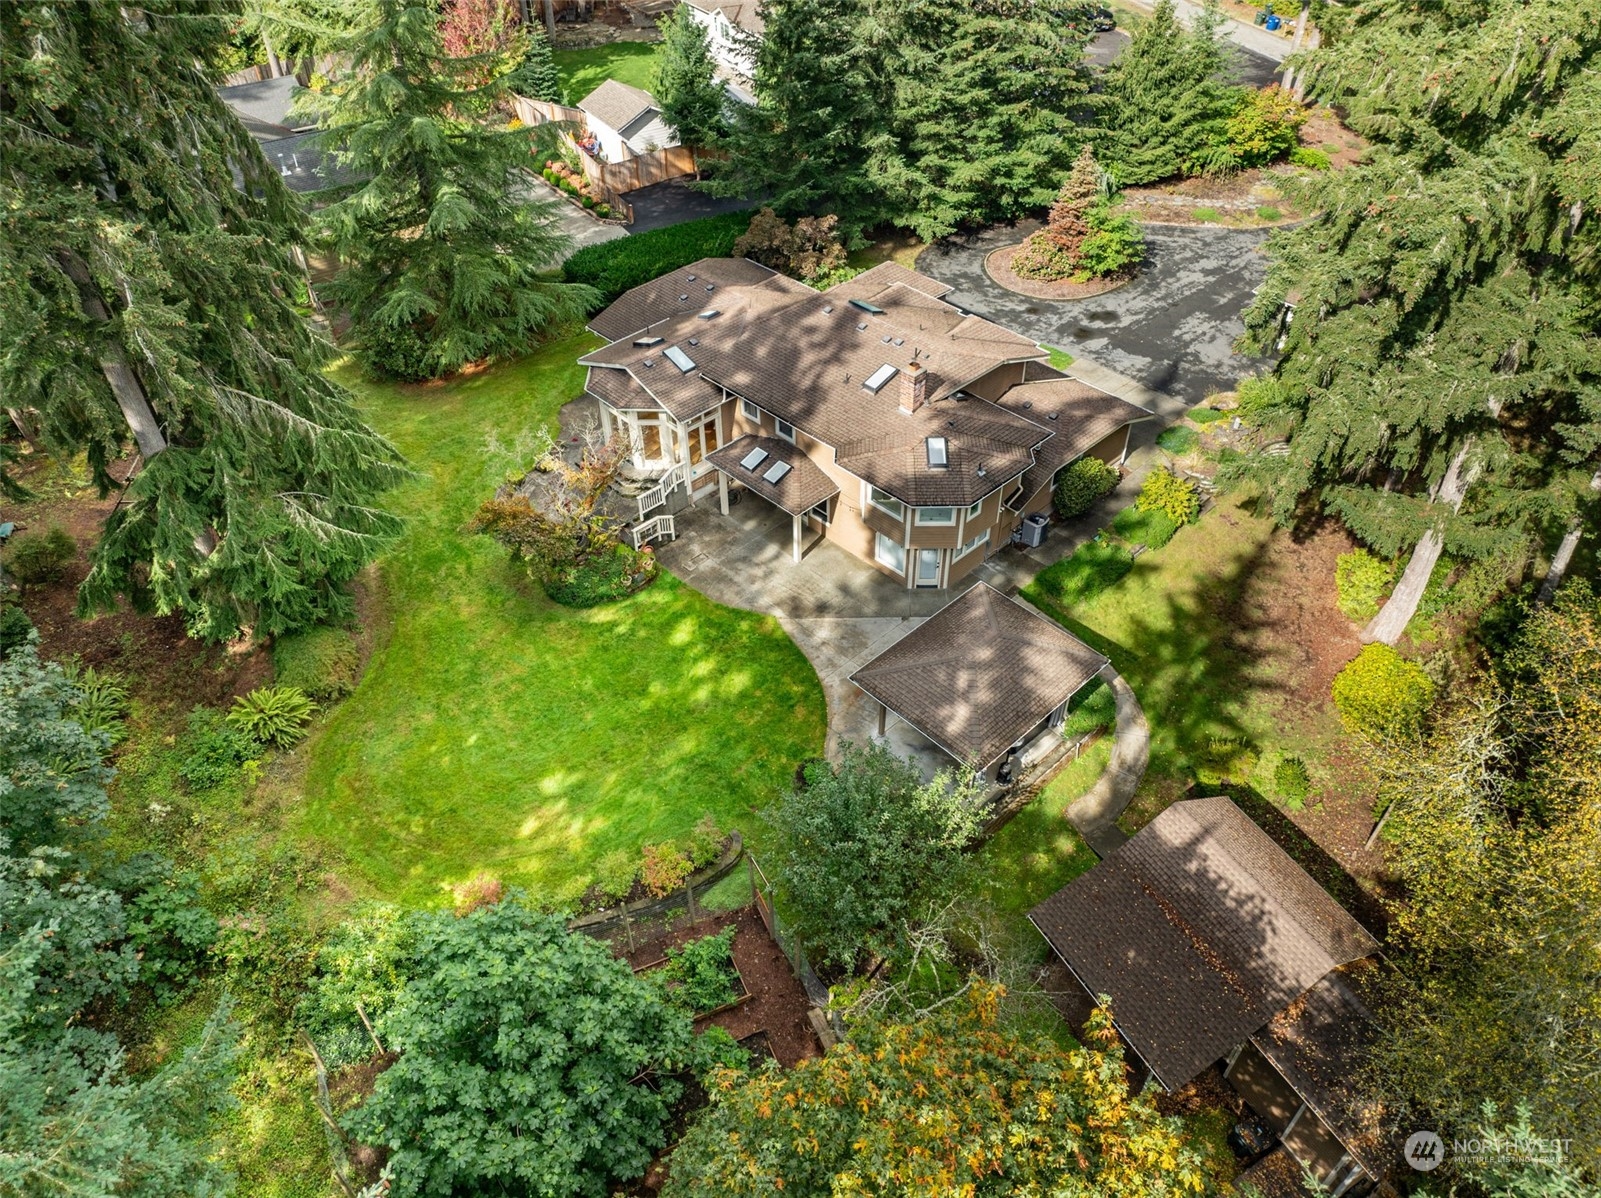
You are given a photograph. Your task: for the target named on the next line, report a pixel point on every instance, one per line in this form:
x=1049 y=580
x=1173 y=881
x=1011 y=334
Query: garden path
x=1095 y=814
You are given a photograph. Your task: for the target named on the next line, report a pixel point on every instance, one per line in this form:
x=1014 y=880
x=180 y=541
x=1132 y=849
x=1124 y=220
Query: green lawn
x=582 y=71
x=496 y=730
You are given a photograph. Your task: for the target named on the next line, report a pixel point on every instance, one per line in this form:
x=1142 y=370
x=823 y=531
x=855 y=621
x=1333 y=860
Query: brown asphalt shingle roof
x=618 y=105
x=805 y=357
x=746 y=14
x=1083 y=417
x=1201 y=929
x=802 y=488
x=979 y=674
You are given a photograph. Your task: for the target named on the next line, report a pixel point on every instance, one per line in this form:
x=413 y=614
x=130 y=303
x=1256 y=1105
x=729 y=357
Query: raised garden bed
x=998 y=265
x=701 y=975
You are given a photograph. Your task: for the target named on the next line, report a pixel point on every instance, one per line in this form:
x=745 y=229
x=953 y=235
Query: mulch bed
x=999 y=267
x=778 y=1002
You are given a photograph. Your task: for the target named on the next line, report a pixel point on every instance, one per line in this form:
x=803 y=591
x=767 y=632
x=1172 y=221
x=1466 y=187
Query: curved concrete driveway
x=1172 y=329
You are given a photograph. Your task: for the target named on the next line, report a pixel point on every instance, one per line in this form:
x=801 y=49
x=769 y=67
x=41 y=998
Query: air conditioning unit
x=1031 y=533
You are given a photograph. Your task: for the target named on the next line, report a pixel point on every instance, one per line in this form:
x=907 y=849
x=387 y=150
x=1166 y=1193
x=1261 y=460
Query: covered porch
x=778 y=472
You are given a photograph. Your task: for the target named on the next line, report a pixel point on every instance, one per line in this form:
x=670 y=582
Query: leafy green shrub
x=321 y=661
x=664 y=869
x=393 y=352
x=1153 y=529
x=603 y=211
x=1268 y=212
x=1206 y=415
x=716 y=1048
x=1080 y=484
x=601 y=577
x=1209 y=216
x=1115 y=243
x=1292 y=782
x=615 y=874
x=1092 y=568
x=700 y=976
x=614 y=266
x=1362 y=580
x=1226 y=759
x=1178 y=440
x=37 y=557
x=102 y=699
x=1380 y=693
x=1164 y=491
x=169 y=927
x=1093 y=707
x=212 y=750
x=15 y=627
x=1306 y=156
x=705 y=842
x=1264 y=126
x=365 y=960
x=1260 y=394
x=273 y=715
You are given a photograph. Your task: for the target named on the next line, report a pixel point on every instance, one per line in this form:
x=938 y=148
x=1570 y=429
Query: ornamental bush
x=664 y=869
x=102 y=702
x=1381 y=694
x=15 y=627
x=1263 y=128
x=613 y=267
x=531 y=1061
x=1292 y=782
x=601 y=577
x=37 y=557
x=1163 y=491
x=1079 y=485
x=1361 y=581
x=1315 y=160
x=273 y=715
x=321 y=661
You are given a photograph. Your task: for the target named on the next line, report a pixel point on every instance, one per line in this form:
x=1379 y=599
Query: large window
x=936 y=515
x=981 y=539
x=785 y=429
x=890 y=553
x=886 y=503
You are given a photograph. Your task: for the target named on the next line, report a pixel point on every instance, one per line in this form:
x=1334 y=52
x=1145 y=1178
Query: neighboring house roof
x=980 y=674
x=807 y=358
x=1201 y=929
x=743 y=14
x=1080 y=415
x=1317 y=1044
x=264 y=107
x=618 y=106
x=801 y=488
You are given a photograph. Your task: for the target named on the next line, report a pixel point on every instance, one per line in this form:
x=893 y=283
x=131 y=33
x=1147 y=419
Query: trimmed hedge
x=1081 y=484
x=1095 y=566
x=1380 y=693
x=612 y=267
x=1164 y=491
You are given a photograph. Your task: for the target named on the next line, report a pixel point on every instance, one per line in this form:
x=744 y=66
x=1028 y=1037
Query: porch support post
x=1128 y=433
x=795 y=522
x=605 y=421
x=722 y=491
x=883 y=718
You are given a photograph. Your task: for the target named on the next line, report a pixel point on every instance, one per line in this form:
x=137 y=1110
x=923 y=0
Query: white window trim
x=951 y=523
x=982 y=539
x=972 y=512
x=779 y=425
x=880 y=542
x=750 y=411
x=867 y=493
x=820 y=511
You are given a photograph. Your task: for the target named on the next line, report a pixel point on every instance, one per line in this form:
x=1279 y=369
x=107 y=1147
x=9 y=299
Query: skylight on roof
x=679 y=358
x=709 y=314
x=938 y=452
x=646 y=342
x=875 y=381
x=827 y=308
x=691 y=278
x=775 y=472
x=865 y=306
x=682 y=298
x=754 y=458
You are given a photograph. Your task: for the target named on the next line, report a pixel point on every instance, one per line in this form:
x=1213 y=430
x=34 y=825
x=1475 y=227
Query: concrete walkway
x=1095 y=813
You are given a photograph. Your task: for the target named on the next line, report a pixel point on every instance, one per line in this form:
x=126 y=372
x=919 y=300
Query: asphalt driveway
x=674 y=202
x=1172 y=329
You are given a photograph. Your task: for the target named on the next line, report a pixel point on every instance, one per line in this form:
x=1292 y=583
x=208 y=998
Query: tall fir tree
x=693 y=102
x=983 y=105
x=151 y=295
x=1440 y=379
x=444 y=247
x=535 y=76
x=821 y=118
x=1164 y=105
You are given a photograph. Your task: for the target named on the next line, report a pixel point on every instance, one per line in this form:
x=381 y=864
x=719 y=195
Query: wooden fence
x=611 y=179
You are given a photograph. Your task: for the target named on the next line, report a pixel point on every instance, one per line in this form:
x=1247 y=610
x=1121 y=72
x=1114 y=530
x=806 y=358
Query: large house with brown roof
x=910 y=433
x=1217 y=948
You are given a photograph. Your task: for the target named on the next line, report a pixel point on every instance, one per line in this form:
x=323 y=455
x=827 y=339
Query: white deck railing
x=653 y=497
x=653 y=529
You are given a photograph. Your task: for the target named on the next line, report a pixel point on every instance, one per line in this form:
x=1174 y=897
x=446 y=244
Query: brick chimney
x=914 y=386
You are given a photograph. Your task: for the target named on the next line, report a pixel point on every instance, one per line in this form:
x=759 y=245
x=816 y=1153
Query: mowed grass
x=495 y=730
x=582 y=71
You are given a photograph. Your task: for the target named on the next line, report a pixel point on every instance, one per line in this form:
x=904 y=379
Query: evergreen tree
x=821 y=120
x=151 y=295
x=686 y=87
x=443 y=246
x=983 y=105
x=1164 y=106
x=536 y=76
x=1440 y=378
